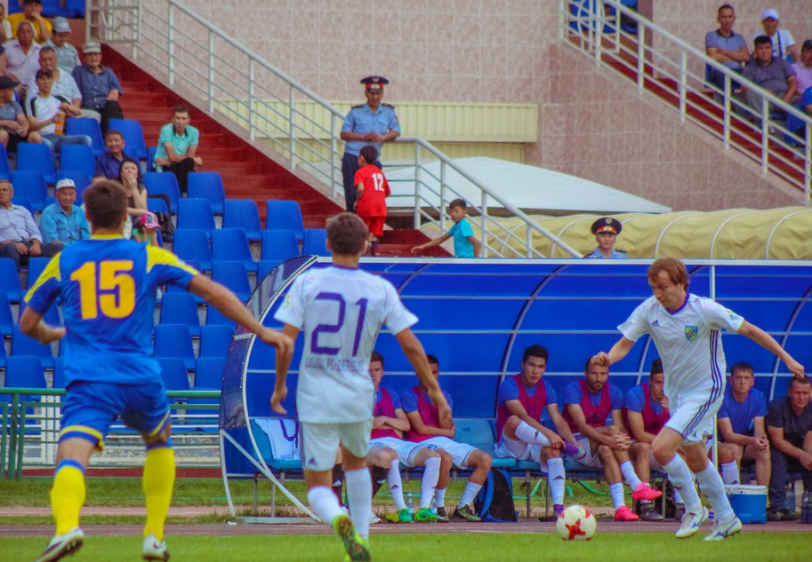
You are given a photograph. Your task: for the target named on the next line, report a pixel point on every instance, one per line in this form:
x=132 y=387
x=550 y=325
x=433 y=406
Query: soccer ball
x=576 y=523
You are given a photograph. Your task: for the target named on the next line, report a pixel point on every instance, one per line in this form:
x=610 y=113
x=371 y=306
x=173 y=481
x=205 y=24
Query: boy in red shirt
x=373 y=189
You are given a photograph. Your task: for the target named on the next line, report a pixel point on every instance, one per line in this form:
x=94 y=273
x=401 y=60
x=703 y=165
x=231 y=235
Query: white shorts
x=320 y=442
x=508 y=448
x=458 y=451
x=406 y=450
x=693 y=417
x=589 y=459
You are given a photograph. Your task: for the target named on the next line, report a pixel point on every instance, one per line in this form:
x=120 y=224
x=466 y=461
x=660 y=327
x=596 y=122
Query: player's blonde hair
x=673 y=267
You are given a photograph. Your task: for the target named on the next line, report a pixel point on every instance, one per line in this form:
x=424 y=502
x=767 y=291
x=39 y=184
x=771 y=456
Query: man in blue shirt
x=63 y=222
x=372 y=123
x=99 y=86
x=108 y=164
x=725 y=46
x=606 y=230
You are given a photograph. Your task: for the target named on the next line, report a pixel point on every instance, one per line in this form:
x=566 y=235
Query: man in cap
x=371 y=123
x=803 y=70
x=67 y=55
x=606 y=230
x=63 y=222
x=13 y=124
x=32 y=13
x=22 y=56
x=20 y=237
x=99 y=86
x=782 y=41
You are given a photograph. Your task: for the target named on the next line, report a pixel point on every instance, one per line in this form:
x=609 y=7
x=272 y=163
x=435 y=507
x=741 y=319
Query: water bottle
x=409 y=502
x=59 y=123
x=790 y=503
x=806 y=507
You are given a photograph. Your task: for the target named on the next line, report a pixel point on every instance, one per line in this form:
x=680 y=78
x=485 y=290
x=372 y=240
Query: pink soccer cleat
x=623 y=513
x=645 y=492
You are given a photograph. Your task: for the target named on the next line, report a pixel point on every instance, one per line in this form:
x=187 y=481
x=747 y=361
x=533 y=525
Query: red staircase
x=247 y=173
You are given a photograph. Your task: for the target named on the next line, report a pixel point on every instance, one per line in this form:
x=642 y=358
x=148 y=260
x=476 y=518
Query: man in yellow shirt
x=32 y=12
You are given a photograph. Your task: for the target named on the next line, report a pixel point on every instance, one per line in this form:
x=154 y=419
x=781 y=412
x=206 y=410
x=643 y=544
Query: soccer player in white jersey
x=341 y=310
x=687 y=332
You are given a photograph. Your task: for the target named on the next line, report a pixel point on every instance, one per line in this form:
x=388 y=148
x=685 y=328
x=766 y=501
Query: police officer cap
x=606 y=224
x=375 y=83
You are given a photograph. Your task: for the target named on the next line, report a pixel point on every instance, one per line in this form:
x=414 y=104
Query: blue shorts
x=90 y=407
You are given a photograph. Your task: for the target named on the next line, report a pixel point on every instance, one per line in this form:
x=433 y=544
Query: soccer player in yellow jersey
x=108 y=289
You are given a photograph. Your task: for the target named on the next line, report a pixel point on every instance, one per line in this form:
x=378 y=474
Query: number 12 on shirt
x=335 y=328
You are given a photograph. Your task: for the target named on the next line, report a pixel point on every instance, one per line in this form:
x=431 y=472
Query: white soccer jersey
x=689 y=342
x=341 y=311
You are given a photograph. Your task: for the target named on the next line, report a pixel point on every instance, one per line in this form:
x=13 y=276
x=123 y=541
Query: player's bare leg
x=158 y=482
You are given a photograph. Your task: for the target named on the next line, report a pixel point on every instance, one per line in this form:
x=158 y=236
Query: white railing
x=196 y=56
x=112 y=21
x=673 y=72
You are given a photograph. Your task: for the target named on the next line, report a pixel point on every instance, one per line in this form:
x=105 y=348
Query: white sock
x=616 y=490
x=677 y=497
x=714 y=489
x=680 y=476
x=439 y=497
x=325 y=503
x=359 y=497
x=471 y=490
x=431 y=473
x=556 y=479
x=395 y=485
x=630 y=475
x=528 y=434
x=730 y=473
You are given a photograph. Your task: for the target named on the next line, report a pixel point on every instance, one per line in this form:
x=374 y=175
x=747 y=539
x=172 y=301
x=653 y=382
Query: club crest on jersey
x=691 y=332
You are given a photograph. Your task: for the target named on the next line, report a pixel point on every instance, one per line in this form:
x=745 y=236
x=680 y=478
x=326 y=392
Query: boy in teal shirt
x=465 y=243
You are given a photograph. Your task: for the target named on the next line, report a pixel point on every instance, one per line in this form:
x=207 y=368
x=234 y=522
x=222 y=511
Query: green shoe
x=425 y=515
x=357 y=548
x=402 y=516
x=467 y=512
x=442 y=516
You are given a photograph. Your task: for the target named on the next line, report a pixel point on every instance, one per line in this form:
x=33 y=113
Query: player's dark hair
x=656 y=367
x=376 y=357
x=458 y=203
x=673 y=267
x=761 y=40
x=42 y=73
x=347 y=234
x=433 y=360
x=106 y=204
x=535 y=351
x=725 y=7
x=180 y=109
x=793 y=381
x=369 y=154
x=741 y=366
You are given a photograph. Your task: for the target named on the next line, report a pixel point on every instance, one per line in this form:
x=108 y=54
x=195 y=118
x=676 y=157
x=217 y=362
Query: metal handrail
x=586 y=23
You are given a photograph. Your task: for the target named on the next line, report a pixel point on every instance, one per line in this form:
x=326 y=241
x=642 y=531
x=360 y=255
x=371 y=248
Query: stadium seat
x=9 y=280
x=77 y=158
x=315 y=242
x=173 y=373
x=5 y=171
x=133 y=137
x=192 y=244
x=285 y=215
x=52 y=9
x=36 y=158
x=6 y=318
x=157 y=205
x=279 y=245
x=215 y=340
x=180 y=308
x=215 y=318
x=208 y=185
x=158 y=183
x=232 y=274
x=81 y=180
x=78 y=7
x=209 y=373
x=22 y=202
x=24 y=345
x=3 y=359
x=31 y=184
x=25 y=372
x=89 y=127
x=175 y=340
x=151 y=152
x=265 y=267
x=243 y=213
x=195 y=214
x=232 y=244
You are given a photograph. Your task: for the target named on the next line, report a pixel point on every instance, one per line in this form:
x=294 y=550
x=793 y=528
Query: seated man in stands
x=20 y=237
x=741 y=427
x=63 y=222
x=32 y=15
x=177 y=147
x=64 y=85
x=521 y=435
x=803 y=69
x=99 y=86
x=771 y=73
x=726 y=47
x=789 y=424
x=22 y=56
x=782 y=41
x=66 y=54
x=13 y=124
x=589 y=403
x=388 y=450
x=47 y=113
x=426 y=429
x=108 y=164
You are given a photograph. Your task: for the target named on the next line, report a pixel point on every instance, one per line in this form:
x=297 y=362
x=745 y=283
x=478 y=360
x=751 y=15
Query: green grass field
x=468 y=547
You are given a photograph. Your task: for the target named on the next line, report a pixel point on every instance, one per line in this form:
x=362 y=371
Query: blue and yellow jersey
x=108 y=289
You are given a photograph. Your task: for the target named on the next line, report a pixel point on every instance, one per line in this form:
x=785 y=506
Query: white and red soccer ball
x=576 y=523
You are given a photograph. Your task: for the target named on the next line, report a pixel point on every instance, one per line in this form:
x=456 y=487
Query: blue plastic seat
x=209 y=373
x=36 y=158
x=157 y=205
x=9 y=280
x=192 y=244
x=133 y=136
x=175 y=340
x=151 y=152
x=215 y=340
x=208 y=185
x=196 y=214
x=173 y=373
x=285 y=215
x=78 y=7
x=25 y=372
x=158 y=183
x=52 y=9
x=216 y=318
x=23 y=202
x=90 y=128
x=232 y=244
x=279 y=245
x=5 y=171
x=81 y=180
x=232 y=274
x=31 y=184
x=6 y=318
x=77 y=158
x=243 y=213
x=23 y=345
x=315 y=242
x=180 y=308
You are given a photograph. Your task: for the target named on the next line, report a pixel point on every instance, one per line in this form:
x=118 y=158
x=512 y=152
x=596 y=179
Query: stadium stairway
x=247 y=173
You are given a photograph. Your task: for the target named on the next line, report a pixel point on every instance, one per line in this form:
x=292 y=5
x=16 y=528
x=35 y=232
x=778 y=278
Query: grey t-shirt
x=781 y=414
x=773 y=76
x=735 y=42
x=10 y=111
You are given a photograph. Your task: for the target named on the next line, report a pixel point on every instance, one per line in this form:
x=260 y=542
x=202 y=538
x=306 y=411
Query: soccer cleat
x=467 y=512
x=373 y=519
x=645 y=492
x=691 y=523
x=357 y=548
x=425 y=515
x=780 y=515
x=572 y=450
x=650 y=513
x=402 y=516
x=623 y=513
x=155 y=549
x=442 y=516
x=723 y=530
x=63 y=545
x=558 y=509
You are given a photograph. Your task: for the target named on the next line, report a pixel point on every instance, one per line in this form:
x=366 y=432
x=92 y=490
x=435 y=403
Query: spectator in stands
x=789 y=424
x=606 y=230
x=32 y=13
x=726 y=47
x=803 y=70
x=521 y=434
x=795 y=125
x=771 y=73
x=465 y=243
x=22 y=56
x=426 y=429
x=46 y=115
x=177 y=147
x=129 y=176
x=5 y=27
x=63 y=222
x=66 y=53
x=372 y=191
x=108 y=164
x=782 y=42
x=13 y=124
x=589 y=403
x=20 y=237
x=99 y=86
x=370 y=123
x=741 y=427
x=64 y=85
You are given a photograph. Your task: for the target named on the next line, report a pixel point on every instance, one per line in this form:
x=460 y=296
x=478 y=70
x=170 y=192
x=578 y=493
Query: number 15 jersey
x=341 y=311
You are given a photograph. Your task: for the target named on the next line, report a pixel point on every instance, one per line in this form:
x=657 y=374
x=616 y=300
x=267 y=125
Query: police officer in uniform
x=606 y=230
x=372 y=123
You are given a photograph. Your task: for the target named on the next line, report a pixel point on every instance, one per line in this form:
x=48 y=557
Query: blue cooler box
x=748 y=502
